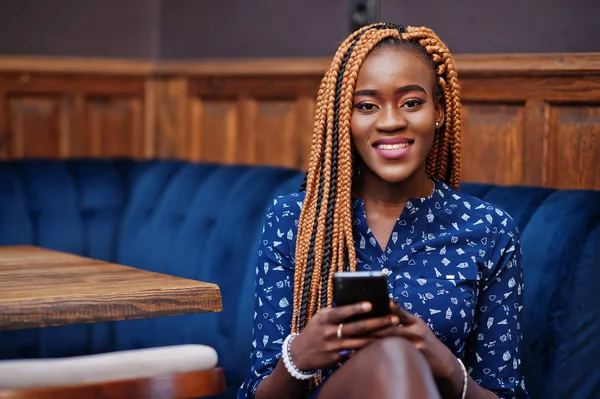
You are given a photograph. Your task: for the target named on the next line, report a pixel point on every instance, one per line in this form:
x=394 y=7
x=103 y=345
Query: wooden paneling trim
x=166 y=117
x=248 y=109
x=6 y=136
x=67 y=65
x=522 y=88
x=519 y=111
x=536 y=132
x=467 y=64
x=264 y=87
x=37 y=83
x=557 y=64
x=151 y=89
x=245 y=67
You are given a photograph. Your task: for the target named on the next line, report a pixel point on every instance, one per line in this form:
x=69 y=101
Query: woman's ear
x=439 y=113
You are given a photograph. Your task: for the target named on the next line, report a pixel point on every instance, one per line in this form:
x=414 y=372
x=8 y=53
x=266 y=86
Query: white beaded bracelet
x=289 y=364
x=463 y=394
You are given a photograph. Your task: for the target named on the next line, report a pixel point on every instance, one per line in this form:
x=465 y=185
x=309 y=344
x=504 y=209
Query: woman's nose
x=390 y=119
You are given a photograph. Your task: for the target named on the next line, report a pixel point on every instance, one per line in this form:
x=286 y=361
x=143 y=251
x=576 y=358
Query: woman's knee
x=374 y=365
x=394 y=344
x=389 y=356
x=395 y=352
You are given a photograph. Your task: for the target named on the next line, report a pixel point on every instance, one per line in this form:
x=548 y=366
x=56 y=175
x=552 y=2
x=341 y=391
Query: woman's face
x=394 y=113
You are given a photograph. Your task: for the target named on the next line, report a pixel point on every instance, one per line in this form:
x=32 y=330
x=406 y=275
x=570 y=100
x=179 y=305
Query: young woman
x=381 y=194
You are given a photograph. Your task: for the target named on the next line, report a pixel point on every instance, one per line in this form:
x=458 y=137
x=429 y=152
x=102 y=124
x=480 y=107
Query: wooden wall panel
x=251 y=131
x=492 y=143
x=113 y=127
x=248 y=133
x=528 y=119
x=39 y=125
x=536 y=130
x=251 y=120
x=64 y=115
x=305 y=122
x=214 y=128
x=574 y=153
x=277 y=141
x=166 y=129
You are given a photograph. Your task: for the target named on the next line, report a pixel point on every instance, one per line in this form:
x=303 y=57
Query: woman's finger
x=344 y=348
x=405 y=316
x=408 y=332
x=385 y=332
x=340 y=313
x=351 y=344
x=366 y=326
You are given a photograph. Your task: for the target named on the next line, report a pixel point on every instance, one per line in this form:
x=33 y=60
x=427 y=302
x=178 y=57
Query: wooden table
x=40 y=287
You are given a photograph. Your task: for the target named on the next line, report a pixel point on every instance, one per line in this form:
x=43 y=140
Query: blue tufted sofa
x=203 y=221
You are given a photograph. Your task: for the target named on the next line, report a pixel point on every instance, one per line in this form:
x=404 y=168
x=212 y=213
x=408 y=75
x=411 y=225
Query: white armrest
x=121 y=365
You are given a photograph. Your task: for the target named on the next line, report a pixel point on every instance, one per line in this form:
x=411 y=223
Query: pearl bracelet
x=289 y=364
x=463 y=394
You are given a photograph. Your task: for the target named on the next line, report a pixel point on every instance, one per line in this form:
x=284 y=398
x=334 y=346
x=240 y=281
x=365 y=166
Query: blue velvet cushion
x=68 y=206
x=560 y=233
x=562 y=251
x=202 y=221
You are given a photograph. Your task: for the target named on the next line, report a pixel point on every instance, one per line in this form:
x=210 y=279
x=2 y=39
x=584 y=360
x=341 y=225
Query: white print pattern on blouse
x=452 y=259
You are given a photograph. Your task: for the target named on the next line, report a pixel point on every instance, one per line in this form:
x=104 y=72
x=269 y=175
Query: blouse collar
x=416 y=207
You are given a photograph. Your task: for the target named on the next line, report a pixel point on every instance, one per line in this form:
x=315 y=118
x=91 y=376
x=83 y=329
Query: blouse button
x=386 y=271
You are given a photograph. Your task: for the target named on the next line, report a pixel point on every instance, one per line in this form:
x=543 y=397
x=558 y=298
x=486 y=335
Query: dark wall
x=283 y=28
x=103 y=28
x=505 y=26
x=256 y=28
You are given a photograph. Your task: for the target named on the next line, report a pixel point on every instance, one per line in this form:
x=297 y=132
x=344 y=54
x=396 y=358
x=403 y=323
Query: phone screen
x=353 y=287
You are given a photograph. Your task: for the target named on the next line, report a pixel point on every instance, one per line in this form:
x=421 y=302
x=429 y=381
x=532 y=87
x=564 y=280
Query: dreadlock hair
x=324 y=239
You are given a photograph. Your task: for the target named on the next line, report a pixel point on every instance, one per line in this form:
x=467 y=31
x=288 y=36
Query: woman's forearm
x=475 y=391
x=451 y=387
x=280 y=384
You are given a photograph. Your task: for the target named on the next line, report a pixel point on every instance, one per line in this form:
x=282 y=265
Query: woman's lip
x=393 y=140
x=393 y=154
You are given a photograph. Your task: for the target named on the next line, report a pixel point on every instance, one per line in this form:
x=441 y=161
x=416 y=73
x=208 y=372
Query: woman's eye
x=412 y=103
x=366 y=106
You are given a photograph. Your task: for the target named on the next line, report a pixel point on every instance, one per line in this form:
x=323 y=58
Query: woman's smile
x=393 y=148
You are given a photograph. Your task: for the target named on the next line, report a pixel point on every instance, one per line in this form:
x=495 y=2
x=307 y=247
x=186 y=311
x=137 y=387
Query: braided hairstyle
x=324 y=240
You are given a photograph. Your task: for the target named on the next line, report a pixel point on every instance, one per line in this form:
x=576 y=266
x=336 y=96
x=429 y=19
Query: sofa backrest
x=76 y=207
x=200 y=222
x=203 y=221
x=560 y=237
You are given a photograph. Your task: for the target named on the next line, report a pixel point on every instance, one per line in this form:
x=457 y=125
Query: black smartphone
x=353 y=287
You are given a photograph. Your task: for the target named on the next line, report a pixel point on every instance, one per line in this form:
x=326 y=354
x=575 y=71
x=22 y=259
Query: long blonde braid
x=325 y=240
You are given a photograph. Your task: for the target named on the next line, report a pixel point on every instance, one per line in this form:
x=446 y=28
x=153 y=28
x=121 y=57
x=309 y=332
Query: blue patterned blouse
x=452 y=259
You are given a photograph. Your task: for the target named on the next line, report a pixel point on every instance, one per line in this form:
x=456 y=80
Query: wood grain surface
x=176 y=386
x=41 y=288
x=529 y=119
x=468 y=64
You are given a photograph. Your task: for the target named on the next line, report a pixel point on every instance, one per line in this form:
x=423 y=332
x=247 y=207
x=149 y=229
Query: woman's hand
x=318 y=345
x=444 y=365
